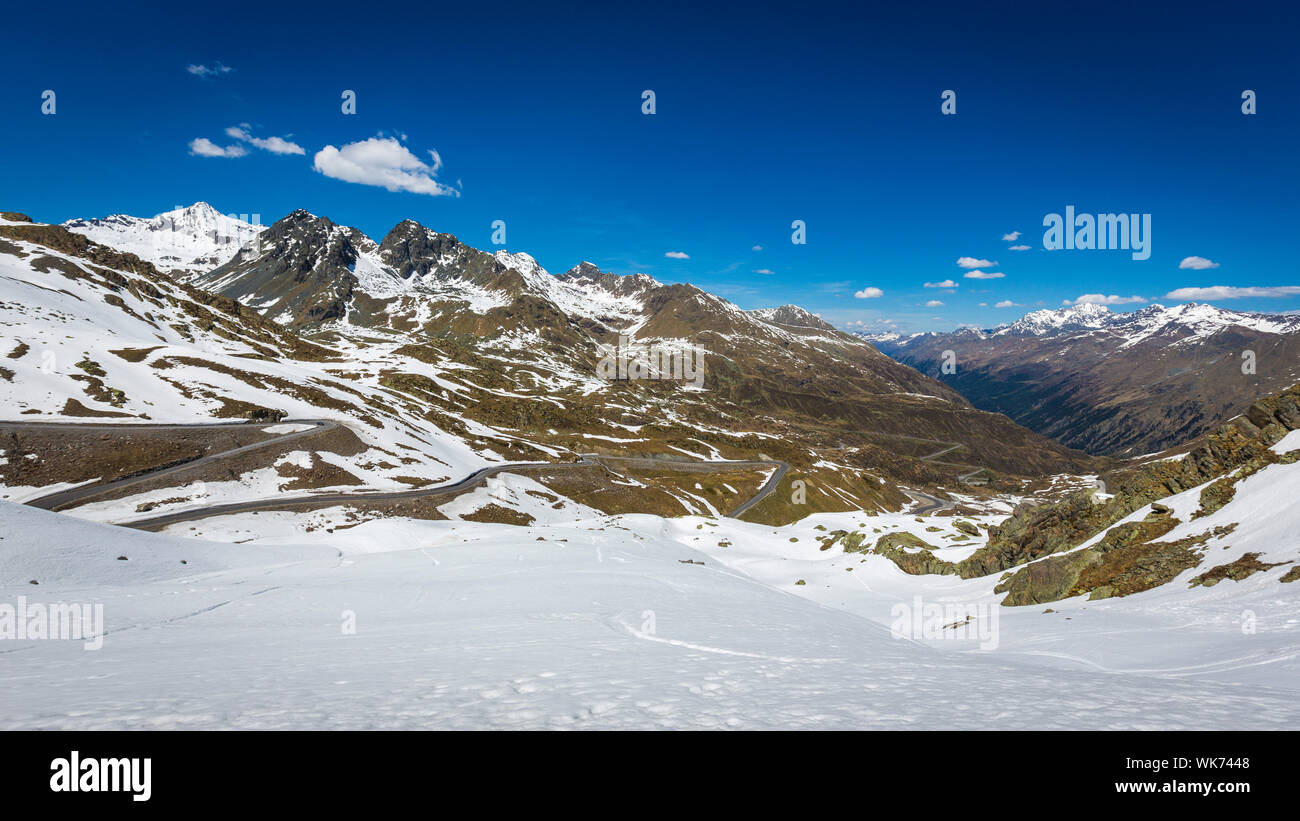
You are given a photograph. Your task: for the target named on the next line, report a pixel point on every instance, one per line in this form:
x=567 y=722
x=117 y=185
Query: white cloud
x=934 y=303
x=1012 y=237
x=1018 y=248
x=1006 y=303
x=383 y=162
x=677 y=255
x=947 y=283
x=1196 y=263
x=757 y=248
x=1230 y=292
x=869 y=293
x=276 y=145
x=971 y=262
x=763 y=271
x=203 y=147
x=1103 y=299
x=205 y=72
x=983 y=275
x=984 y=305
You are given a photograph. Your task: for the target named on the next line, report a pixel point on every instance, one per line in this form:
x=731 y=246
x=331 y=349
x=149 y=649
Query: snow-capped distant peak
x=587 y=272
x=888 y=336
x=186 y=240
x=1074 y=318
x=1187 y=321
x=791 y=315
x=521 y=262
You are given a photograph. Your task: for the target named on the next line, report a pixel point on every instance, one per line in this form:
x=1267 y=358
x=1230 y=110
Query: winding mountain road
x=90 y=491
x=963 y=477
x=764 y=491
x=934 y=503
x=85 y=492
x=326 y=499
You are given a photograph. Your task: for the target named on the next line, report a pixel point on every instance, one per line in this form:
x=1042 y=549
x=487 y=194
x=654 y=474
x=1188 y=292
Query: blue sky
x=764 y=115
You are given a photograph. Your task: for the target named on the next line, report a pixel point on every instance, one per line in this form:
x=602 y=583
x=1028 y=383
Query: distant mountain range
x=418 y=362
x=1096 y=380
x=1114 y=383
x=473 y=358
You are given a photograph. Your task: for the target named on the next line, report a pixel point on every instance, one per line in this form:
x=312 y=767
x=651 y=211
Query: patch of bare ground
x=145 y=507
x=414 y=481
x=38 y=457
x=361 y=510
x=134 y=354
x=416 y=507
x=320 y=474
x=598 y=487
x=619 y=487
x=804 y=491
x=496 y=514
x=711 y=485
x=336 y=440
x=261 y=381
x=1247 y=565
x=74 y=408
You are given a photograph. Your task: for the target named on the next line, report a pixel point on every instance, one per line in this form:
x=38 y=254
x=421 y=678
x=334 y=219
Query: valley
x=1116 y=384
x=391 y=484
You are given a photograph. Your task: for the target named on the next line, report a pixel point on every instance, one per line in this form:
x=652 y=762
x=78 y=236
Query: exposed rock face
x=1242 y=446
x=1128 y=559
x=584 y=273
x=1242 y=568
x=416 y=253
x=1123 y=562
x=1216 y=496
x=301 y=274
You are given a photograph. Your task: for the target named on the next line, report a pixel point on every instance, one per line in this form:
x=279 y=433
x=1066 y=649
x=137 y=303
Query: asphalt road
x=85 y=492
x=763 y=492
x=326 y=499
x=935 y=503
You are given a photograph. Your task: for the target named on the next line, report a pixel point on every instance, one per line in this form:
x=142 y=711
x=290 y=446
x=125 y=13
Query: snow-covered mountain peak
x=184 y=241
x=1187 y=320
x=791 y=315
x=587 y=273
x=521 y=262
x=1072 y=318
